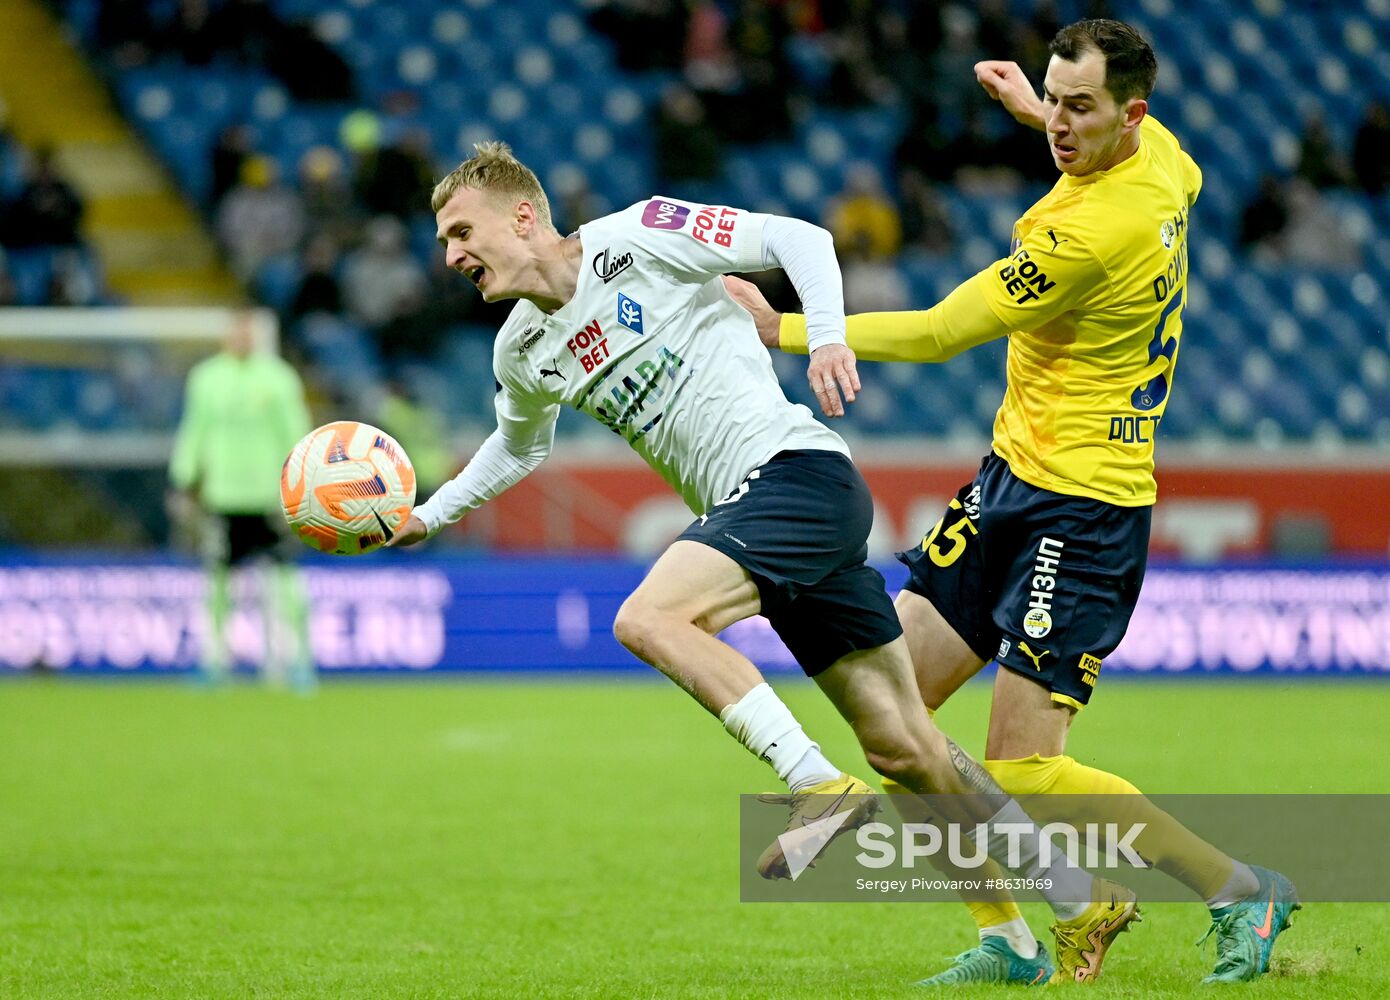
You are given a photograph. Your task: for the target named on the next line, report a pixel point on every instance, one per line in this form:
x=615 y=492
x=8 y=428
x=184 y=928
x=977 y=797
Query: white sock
x=1016 y=935
x=767 y=727
x=1243 y=882
x=1068 y=889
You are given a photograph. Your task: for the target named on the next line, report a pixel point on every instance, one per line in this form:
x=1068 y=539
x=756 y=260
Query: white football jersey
x=653 y=347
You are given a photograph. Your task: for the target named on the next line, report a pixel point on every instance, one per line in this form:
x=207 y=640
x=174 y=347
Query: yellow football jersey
x=1094 y=291
x=1091 y=298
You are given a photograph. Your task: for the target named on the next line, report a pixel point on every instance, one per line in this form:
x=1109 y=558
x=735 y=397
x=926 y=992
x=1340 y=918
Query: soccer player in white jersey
x=627 y=321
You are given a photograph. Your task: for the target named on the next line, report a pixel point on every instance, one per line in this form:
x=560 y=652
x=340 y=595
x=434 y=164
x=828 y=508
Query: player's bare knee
x=898 y=758
x=635 y=622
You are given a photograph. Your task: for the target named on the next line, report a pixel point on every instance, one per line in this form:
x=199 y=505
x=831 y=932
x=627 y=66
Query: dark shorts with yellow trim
x=1042 y=582
x=799 y=524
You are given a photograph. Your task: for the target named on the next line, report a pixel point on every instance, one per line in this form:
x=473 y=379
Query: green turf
x=549 y=838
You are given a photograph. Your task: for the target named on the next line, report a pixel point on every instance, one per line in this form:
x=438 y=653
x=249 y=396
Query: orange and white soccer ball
x=347 y=488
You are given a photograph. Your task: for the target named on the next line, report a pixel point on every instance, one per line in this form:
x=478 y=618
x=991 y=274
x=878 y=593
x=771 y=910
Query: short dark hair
x=1130 y=65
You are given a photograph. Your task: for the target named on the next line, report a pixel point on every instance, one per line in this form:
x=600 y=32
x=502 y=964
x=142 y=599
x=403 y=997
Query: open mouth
x=475 y=275
x=1064 y=151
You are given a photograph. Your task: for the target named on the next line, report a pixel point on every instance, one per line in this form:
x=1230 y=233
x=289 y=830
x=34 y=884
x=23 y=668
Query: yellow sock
x=987 y=913
x=1165 y=843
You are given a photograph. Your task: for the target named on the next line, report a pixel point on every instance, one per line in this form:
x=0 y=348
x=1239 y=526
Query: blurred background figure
x=260 y=217
x=45 y=212
x=863 y=219
x=244 y=410
x=1371 y=153
x=382 y=279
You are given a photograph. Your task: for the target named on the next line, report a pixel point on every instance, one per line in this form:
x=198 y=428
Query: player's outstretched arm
x=806 y=253
x=1005 y=82
x=524 y=436
x=960 y=321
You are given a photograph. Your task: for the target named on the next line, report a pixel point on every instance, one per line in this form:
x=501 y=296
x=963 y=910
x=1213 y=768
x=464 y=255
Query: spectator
x=647 y=34
x=757 y=110
x=318 y=290
x=397 y=179
x=873 y=286
x=1264 y=219
x=329 y=207
x=246 y=29
x=709 y=61
x=45 y=212
x=1371 y=153
x=926 y=145
x=234 y=144
x=573 y=202
x=192 y=33
x=863 y=219
x=72 y=282
x=307 y=66
x=381 y=279
x=260 y=218
x=125 y=30
x=990 y=162
x=926 y=225
x=688 y=147
x=1319 y=162
x=1315 y=236
x=9 y=291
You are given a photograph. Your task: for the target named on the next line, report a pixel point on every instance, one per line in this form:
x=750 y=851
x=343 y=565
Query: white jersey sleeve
x=807 y=254
x=524 y=436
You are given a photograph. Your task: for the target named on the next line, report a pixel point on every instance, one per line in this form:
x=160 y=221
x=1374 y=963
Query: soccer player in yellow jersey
x=1037 y=564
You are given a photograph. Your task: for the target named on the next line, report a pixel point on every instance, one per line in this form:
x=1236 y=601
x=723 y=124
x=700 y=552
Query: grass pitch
x=552 y=838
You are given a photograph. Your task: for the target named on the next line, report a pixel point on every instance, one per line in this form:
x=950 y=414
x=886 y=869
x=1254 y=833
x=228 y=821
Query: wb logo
x=629 y=314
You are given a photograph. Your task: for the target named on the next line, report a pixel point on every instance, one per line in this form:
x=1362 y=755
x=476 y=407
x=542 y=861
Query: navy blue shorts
x=799 y=524
x=1042 y=582
x=242 y=537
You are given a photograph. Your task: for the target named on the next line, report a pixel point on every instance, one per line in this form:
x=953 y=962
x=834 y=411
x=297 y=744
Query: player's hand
x=1005 y=82
x=408 y=534
x=767 y=319
x=832 y=372
x=182 y=506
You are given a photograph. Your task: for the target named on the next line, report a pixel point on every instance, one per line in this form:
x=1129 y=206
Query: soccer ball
x=346 y=488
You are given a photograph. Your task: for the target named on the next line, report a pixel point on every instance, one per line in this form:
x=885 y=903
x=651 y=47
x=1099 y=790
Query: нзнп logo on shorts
x=1037 y=621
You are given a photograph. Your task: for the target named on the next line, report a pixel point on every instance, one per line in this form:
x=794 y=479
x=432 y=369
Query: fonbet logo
x=969 y=848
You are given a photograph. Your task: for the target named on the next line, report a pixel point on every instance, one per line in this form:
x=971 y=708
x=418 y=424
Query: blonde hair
x=494 y=169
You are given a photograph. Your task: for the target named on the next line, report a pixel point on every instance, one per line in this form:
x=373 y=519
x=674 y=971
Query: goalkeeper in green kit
x=243 y=411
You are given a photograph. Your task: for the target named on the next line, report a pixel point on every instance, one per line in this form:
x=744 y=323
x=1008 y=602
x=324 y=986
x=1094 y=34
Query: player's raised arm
x=525 y=433
x=1005 y=82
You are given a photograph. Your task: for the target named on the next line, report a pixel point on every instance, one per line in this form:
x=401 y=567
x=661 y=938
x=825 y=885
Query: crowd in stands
x=343 y=229
x=43 y=260
x=1289 y=218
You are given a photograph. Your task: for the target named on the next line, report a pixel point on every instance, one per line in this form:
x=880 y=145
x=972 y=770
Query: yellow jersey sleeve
x=960 y=321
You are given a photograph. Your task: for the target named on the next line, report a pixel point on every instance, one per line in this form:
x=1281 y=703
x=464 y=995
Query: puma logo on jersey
x=547 y=372
x=1027 y=651
x=1055 y=241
